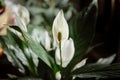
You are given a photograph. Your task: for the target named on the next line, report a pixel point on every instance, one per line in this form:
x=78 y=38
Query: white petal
x=60 y=25
x=58 y=75
x=23 y=13
x=18 y=22
x=20 y=16
x=42 y=36
x=80 y=64
x=67 y=53
x=36 y=34
x=47 y=41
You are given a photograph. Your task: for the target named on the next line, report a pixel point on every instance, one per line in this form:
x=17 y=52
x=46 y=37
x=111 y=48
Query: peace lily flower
x=42 y=36
x=60 y=28
x=20 y=17
x=13 y=15
x=65 y=47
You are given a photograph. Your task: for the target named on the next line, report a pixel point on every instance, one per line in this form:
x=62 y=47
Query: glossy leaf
x=82 y=30
x=22 y=51
x=10 y=55
x=36 y=48
x=98 y=70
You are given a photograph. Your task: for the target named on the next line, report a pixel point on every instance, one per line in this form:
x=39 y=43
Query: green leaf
x=16 y=28
x=98 y=70
x=17 y=48
x=82 y=30
x=107 y=60
x=26 y=78
x=10 y=54
x=36 y=48
x=20 y=49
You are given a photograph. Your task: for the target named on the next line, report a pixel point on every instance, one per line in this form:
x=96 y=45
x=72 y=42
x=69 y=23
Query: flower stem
x=60 y=54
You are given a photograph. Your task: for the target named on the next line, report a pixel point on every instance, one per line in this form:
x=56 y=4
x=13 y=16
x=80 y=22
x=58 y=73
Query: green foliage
x=98 y=70
x=10 y=54
x=82 y=30
x=2 y=4
x=19 y=47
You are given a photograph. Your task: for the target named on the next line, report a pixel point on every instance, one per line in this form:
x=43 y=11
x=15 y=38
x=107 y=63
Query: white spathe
x=20 y=16
x=67 y=52
x=60 y=32
x=42 y=36
x=60 y=25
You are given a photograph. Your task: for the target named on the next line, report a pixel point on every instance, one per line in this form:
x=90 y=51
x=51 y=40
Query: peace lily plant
x=65 y=47
x=59 y=54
